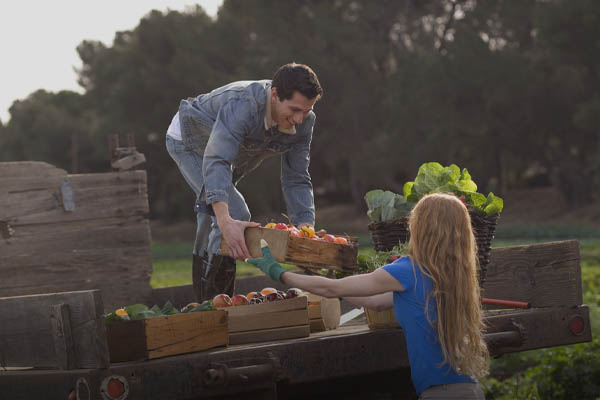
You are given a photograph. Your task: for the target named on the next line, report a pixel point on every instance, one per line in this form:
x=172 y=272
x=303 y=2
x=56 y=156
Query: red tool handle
x=507 y=303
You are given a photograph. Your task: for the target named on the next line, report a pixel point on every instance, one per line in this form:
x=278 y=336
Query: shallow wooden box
x=381 y=319
x=303 y=252
x=165 y=336
x=323 y=313
x=283 y=319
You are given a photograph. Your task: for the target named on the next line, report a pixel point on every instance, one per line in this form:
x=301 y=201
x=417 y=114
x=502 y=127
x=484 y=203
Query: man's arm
x=233 y=122
x=233 y=230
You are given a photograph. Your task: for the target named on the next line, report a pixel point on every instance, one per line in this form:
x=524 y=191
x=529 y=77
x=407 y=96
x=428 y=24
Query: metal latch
x=243 y=371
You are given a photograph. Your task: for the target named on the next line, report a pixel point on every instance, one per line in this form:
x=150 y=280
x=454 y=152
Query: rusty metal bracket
x=511 y=338
x=66 y=194
x=6 y=230
x=124 y=158
x=243 y=371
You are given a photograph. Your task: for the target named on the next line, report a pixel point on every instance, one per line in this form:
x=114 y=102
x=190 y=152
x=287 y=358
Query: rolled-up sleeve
x=295 y=178
x=233 y=121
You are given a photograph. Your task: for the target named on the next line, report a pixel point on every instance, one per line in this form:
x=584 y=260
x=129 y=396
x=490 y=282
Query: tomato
x=340 y=240
x=329 y=238
x=281 y=226
x=295 y=232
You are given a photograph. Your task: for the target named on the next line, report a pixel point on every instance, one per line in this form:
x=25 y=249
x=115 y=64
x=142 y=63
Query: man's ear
x=274 y=94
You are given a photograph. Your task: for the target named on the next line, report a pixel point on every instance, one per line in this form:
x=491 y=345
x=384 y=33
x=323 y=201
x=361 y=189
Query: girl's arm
x=378 y=302
x=374 y=283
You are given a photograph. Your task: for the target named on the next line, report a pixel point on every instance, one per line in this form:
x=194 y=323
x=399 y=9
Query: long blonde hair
x=443 y=246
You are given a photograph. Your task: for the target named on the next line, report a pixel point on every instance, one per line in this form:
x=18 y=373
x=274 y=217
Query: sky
x=38 y=39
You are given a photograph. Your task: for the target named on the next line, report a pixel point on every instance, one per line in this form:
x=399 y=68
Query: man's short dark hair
x=296 y=77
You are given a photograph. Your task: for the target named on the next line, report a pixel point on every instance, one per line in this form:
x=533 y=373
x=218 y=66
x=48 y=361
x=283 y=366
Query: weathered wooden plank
x=65 y=238
x=24 y=169
x=60 y=318
x=545 y=274
x=120 y=274
x=540 y=328
x=26 y=333
x=90 y=203
x=112 y=255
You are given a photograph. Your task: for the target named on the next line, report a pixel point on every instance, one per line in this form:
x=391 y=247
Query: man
x=219 y=137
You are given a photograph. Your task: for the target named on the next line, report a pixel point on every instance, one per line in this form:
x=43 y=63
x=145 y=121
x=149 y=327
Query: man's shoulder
x=251 y=87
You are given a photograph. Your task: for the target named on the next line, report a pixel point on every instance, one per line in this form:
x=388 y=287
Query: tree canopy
x=509 y=90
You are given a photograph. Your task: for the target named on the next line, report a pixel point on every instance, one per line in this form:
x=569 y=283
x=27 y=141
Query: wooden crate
x=323 y=313
x=381 y=319
x=283 y=319
x=303 y=252
x=165 y=336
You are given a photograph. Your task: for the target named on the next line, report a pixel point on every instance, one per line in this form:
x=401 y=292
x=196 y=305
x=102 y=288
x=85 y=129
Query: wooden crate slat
x=26 y=332
x=269 y=307
x=165 y=331
x=270 y=335
x=243 y=323
x=545 y=274
x=302 y=251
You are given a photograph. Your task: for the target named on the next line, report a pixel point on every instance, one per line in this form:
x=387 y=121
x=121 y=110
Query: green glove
x=267 y=263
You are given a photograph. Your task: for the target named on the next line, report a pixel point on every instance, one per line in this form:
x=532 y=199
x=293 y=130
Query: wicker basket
x=388 y=234
x=381 y=319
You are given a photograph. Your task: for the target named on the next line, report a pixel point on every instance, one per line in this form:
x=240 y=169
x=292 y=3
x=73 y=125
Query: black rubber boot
x=198 y=270
x=213 y=277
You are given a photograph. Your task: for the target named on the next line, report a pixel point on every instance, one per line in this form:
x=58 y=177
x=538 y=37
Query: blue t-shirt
x=424 y=349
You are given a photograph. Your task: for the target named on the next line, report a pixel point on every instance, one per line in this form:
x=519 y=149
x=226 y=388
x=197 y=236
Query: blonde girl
x=434 y=293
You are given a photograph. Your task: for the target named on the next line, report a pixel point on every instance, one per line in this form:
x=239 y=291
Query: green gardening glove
x=267 y=263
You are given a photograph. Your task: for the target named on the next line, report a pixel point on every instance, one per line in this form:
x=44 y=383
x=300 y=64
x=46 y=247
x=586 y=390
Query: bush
x=569 y=372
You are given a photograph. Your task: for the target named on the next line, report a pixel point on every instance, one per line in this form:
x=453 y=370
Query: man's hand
x=233 y=230
x=267 y=263
x=233 y=233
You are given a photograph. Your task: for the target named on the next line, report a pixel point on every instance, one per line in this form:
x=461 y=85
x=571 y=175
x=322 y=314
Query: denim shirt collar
x=269 y=123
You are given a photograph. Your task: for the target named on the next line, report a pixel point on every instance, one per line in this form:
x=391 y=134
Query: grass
x=172 y=262
x=172 y=265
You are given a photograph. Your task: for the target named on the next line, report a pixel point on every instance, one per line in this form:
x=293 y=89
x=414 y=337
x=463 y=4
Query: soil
x=543 y=205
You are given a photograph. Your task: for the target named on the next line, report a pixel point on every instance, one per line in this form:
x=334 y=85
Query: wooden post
x=64 y=330
x=60 y=318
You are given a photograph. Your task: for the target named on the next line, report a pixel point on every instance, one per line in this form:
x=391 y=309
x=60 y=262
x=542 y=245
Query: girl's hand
x=267 y=263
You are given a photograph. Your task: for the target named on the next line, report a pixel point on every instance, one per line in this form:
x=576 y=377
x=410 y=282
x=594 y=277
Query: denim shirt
x=226 y=126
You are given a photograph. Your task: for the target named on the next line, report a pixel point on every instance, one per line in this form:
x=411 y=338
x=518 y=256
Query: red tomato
x=329 y=238
x=281 y=226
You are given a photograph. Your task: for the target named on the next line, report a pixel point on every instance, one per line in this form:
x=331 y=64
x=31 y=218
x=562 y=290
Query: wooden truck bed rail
x=341 y=363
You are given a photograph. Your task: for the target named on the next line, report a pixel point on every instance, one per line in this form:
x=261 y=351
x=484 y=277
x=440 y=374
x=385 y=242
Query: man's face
x=290 y=112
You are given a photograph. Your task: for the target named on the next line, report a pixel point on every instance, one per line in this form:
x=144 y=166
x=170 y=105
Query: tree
x=44 y=127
